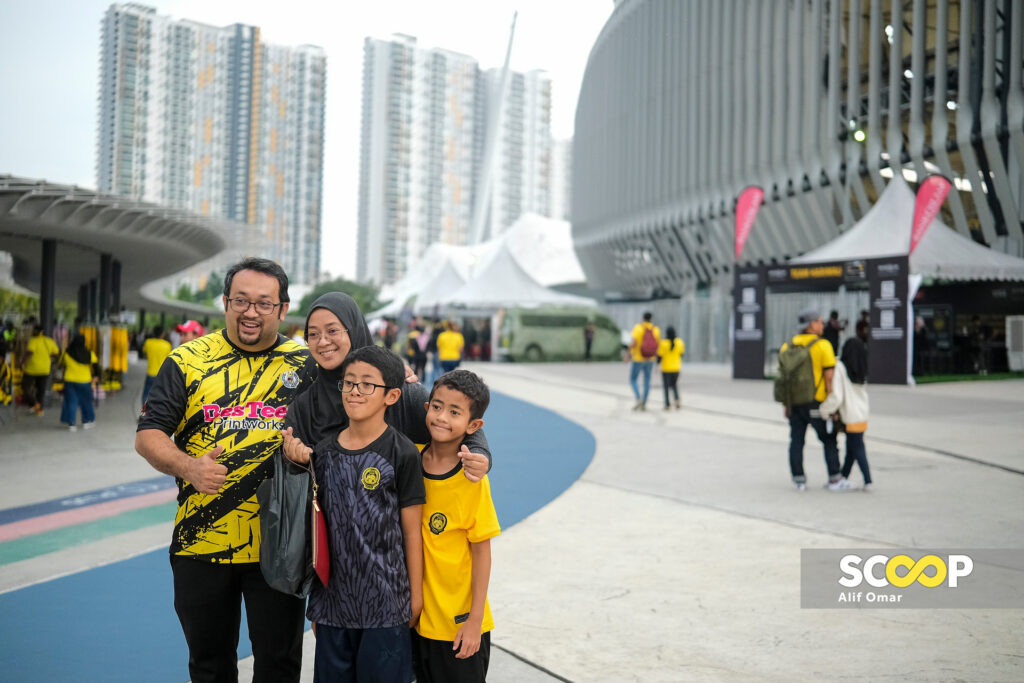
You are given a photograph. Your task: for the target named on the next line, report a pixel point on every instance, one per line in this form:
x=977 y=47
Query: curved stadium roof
x=150 y=241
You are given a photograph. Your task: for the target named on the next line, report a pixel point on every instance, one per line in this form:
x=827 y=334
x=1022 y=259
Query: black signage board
x=748 y=323
x=887 y=360
x=805 y=277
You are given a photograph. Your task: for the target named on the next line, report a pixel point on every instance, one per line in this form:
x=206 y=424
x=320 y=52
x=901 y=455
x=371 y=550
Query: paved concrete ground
x=676 y=556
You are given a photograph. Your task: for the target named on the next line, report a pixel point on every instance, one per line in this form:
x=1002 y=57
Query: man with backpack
x=806 y=364
x=643 y=351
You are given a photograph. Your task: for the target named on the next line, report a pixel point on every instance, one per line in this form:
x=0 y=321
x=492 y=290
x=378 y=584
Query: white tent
x=437 y=292
x=540 y=247
x=942 y=253
x=502 y=282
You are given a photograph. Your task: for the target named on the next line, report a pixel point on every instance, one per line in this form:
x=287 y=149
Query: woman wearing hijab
x=78 y=362
x=334 y=327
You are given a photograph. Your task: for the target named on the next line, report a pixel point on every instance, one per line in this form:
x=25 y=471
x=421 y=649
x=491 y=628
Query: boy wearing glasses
x=372 y=496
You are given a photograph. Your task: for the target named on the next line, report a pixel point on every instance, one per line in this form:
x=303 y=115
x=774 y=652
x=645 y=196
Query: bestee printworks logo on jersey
x=251 y=415
x=861 y=578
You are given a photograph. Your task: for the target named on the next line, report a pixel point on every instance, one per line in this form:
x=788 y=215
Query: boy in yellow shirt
x=452 y=641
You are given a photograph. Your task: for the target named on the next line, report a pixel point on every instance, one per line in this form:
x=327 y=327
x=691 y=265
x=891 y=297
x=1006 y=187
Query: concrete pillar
x=104 y=293
x=47 y=284
x=115 y=287
x=93 y=316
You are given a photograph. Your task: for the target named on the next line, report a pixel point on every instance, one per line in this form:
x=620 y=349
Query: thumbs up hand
x=206 y=474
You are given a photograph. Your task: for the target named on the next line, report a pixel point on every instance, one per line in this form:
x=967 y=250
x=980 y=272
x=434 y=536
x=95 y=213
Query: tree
x=364 y=295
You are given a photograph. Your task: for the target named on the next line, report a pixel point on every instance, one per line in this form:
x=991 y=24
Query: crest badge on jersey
x=290 y=379
x=370 y=478
x=437 y=523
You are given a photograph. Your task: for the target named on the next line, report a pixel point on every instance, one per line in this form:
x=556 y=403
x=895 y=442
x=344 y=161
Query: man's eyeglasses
x=242 y=306
x=365 y=388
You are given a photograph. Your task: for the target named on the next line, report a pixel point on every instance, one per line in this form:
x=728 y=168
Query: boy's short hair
x=392 y=370
x=468 y=383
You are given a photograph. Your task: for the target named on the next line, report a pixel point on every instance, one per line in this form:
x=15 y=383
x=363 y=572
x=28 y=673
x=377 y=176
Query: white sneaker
x=88 y=425
x=800 y=486
x=866 y=487
x=842 y=485
x=72 y=428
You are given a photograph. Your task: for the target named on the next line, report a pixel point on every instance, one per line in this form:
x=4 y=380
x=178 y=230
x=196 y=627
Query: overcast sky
x=49 y=69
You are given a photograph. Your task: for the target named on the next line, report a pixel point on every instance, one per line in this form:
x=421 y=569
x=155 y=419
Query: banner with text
x=746 y=211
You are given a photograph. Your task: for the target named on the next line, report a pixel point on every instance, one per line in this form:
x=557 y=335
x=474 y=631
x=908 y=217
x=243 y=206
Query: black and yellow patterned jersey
x=208 y=393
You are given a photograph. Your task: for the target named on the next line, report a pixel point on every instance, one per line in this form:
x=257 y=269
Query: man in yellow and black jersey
x=212 y=420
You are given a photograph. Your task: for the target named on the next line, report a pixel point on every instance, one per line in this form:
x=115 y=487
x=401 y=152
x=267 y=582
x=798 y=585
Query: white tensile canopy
x=941 y=254
x=502 y=282
x=521 y=264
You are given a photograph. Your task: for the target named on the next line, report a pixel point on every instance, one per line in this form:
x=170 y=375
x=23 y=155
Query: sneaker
x=72 y=428
x=866 y=487
x=88 y=425
x=637 y=405
x=668 y=407
x=679 y=404
x=801 y=486
x=843 y=484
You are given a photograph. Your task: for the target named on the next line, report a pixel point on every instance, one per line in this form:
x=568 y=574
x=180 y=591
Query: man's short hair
x=260 y=265
x=468 y=383
x=392 y=370
x=647 y=316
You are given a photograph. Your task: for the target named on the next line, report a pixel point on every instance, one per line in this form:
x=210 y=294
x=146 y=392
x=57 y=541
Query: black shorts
x=435 y=662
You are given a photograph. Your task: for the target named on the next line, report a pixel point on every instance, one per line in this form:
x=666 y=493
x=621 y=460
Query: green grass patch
x=968 y=377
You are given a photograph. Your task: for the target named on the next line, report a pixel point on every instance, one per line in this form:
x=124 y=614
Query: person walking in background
x=863 y=328
x=806 y=367
x=643 y=349
x=155 y=349
x=450 y=345
x=213 y=420
x=832 y=329
x=849 y=398
x=80 y=377
x=190 y=329
x=37 y=361
x=671 y=350
x=588 y=340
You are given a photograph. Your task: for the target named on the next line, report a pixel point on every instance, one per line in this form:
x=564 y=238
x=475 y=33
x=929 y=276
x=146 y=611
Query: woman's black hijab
x=78 y=350
x=318 y=412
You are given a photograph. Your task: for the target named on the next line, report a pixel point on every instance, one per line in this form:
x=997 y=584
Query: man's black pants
x=208 y=600
x=800 y=416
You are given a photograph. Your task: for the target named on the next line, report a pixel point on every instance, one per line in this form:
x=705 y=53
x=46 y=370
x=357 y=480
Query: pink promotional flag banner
x=930 y=196
x=746 y=210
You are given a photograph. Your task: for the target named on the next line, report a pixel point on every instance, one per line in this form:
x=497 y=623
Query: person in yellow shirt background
x=37 y=359
x=643 y=350
x=79 y=380
x=155 y=349
x=671 y=350
x=450 y=344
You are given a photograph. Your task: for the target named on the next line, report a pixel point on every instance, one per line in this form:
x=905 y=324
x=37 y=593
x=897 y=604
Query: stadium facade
x=819 y=102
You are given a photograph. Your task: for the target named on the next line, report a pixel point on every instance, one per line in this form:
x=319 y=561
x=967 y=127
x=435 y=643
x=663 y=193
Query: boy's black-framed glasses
x=365 y=388
x=242 y=305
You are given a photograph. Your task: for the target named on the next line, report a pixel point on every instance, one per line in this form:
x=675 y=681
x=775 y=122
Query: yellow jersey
x=40 y=349
x=671 y=352
x=457 y=512
x=449 y=345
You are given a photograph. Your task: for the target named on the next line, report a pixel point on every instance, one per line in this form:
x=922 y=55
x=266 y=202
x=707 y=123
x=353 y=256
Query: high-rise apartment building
x=424 y=128
x=214 y=120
